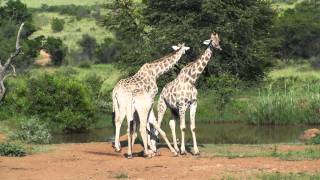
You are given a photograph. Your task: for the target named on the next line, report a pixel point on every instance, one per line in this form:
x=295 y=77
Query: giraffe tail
x=115 y=108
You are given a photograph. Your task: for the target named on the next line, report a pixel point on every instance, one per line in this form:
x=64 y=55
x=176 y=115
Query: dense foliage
x=300 y=29
x=56 y=49
x=57 y=24
x=32 y=130
x=12 y=14
x=12 y=150
x=148 y=31
x=57 y=99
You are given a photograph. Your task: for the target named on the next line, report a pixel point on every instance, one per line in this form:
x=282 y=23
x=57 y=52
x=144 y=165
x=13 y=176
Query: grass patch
x=73 y=29
x=289 y=176
x=272 y=150
x=122 y=176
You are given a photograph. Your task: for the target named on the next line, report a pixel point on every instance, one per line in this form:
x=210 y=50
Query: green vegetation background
x=266 y=74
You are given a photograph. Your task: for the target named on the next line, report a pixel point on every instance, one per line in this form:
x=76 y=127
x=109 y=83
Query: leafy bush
x=84 y=64
x=94 y=81
x=10 y=149
x=316 y=140
x=56 y=49
x=88 y=45
x=63 y=101
x=32 y=131
x=57 y=25
x=224 y=87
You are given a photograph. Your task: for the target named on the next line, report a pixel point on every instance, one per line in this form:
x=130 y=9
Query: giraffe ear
x=186 y=48
x=175 y=48
x=206 y=42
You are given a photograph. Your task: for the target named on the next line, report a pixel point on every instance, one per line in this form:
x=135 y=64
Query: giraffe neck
x=164 y=64
x=199 y=65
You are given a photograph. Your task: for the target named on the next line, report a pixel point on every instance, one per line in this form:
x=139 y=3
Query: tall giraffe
x=143 y=82
x=181 y=94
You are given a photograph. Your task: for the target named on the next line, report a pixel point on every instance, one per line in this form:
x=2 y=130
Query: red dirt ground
x=99 y=161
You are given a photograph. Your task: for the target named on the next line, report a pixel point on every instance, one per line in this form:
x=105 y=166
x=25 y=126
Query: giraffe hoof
x=158 y=153
x=196 y=154
x=183 y=153
x=175 y=154
x=129 y=156
x=117 y=150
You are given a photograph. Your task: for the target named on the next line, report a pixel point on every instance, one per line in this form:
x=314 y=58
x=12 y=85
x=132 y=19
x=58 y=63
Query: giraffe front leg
x=182 y=112
x=164 y=136
x=193 y=109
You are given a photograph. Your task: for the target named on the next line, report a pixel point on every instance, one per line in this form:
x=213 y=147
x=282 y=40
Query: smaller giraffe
x=181 y=94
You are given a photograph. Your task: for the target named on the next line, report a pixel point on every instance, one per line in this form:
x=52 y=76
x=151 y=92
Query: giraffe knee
x=193 y=128
x=183 y=127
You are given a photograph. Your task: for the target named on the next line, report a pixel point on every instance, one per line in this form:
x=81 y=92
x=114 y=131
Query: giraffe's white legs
x=129 y=133
x=134 y=130
x=152 y=120
x=193 y=109
x=143 y=105
x=162 y=107
x=172 y=124
x=182 y=112
x=164 y=136
x=119 y=117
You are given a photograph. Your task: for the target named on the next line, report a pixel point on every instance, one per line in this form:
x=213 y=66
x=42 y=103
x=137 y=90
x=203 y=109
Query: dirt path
x=99 y=161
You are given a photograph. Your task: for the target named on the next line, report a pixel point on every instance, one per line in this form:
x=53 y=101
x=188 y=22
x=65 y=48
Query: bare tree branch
x=4 y=68
x=18 y=48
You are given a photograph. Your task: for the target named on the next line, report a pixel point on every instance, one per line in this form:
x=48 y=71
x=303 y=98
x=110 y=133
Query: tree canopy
x=148 y=30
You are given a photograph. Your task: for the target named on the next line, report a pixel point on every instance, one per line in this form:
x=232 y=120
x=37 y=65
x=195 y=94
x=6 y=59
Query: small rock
x=309 y=134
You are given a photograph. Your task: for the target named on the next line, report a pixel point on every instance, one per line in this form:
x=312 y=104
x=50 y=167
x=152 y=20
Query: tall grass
x=296 y=104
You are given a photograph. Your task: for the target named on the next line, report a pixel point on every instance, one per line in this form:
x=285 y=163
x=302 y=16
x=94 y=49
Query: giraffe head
x=214 y=41
x=181 y=47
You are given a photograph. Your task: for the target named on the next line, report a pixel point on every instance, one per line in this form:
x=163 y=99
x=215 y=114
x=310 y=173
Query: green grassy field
x=73 y=29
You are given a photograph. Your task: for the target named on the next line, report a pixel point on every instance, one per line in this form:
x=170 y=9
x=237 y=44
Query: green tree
x=300 y=29
x=245 y=27
x=12 y=14
x=56 y=49
x=57 y=25
x=88 y=45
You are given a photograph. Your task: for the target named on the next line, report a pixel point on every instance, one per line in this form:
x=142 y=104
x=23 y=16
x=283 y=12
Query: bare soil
x=99 y=161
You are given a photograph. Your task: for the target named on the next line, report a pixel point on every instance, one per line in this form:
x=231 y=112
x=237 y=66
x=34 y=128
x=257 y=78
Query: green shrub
x=224 y=87
x=67 y=71
x=56 y=49
x=32 y=131
x=94 y=81
x=63 y=101
x=316 y=140
x=57 y=25
x=10 y=149
x=84 y=64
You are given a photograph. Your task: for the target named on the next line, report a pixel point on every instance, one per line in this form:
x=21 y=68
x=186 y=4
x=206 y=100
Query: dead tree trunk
x=4 y=69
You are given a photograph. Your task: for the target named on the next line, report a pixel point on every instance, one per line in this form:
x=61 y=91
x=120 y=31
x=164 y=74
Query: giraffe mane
x=165 y=57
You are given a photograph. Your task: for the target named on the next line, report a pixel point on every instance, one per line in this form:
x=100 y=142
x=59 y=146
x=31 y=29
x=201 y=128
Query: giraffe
x=181 y=94
x=140 y=84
